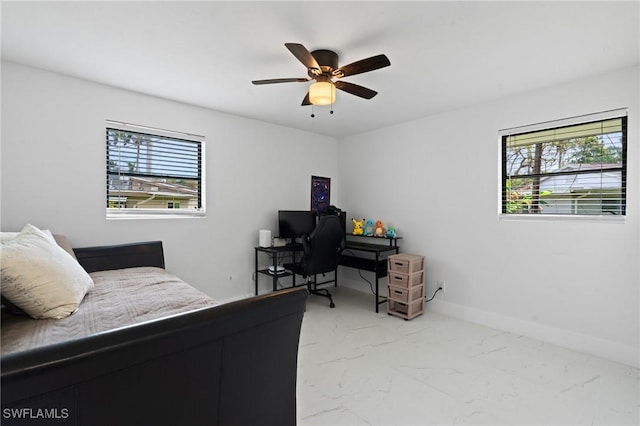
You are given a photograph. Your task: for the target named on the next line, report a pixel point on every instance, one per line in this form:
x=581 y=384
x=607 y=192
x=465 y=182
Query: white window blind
x=573 y=169
x=153 y=171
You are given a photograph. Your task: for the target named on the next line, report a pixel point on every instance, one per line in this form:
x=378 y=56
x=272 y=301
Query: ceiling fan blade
x=303 y=55
x=281 y=80
x=364 y=65
x=354 y=89
x=306 y=100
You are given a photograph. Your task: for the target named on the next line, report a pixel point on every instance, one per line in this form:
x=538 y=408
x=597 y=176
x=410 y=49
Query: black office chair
x=321 y=253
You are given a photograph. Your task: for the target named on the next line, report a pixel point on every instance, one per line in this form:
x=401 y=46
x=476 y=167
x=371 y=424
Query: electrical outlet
x=442 y=284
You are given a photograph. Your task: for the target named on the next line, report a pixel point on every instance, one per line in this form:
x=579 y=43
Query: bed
x=127 y=356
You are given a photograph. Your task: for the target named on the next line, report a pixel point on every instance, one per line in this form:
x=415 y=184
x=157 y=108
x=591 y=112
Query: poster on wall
x=320 y=193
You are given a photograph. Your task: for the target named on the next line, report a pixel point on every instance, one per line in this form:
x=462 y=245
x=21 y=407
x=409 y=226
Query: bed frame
x=232 y=364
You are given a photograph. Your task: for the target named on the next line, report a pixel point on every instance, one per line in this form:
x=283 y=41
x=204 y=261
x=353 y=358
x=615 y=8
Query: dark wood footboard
x=233 y=364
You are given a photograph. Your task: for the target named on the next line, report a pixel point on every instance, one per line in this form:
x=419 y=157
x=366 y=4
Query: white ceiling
x=444 y=55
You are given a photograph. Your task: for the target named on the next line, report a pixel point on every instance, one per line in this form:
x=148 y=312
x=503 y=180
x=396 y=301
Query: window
x=152 y=171
x=577 y=169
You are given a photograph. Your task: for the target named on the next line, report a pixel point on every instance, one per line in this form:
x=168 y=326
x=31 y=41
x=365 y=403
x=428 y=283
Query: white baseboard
x=607 y=349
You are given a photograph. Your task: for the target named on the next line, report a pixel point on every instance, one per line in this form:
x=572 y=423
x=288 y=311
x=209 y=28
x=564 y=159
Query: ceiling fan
x=322 y=66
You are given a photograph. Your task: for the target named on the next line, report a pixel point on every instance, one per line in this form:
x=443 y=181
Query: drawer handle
x=395 y=277
x=398 y=263
x=397 y=291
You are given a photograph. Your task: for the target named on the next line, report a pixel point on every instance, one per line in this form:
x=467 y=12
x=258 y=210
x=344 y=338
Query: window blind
x=577 y=169
x=151 y=170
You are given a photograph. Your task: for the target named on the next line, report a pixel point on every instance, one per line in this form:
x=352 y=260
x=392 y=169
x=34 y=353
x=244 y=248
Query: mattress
x=119 y=298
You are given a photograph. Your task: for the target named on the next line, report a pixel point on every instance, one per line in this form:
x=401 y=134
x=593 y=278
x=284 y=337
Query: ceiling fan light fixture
x=322 y=93
x=322 y=66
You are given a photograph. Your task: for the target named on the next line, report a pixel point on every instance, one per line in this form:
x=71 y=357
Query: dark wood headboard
x=105 y=258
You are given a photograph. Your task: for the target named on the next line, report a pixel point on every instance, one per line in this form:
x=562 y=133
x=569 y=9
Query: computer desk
x=353 y=257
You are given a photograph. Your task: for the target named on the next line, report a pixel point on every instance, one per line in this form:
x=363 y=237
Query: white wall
x=53 y=174
x=571 y=282
x=574 y=283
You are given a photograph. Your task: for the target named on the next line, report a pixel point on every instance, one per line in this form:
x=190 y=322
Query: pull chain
x=333 y=99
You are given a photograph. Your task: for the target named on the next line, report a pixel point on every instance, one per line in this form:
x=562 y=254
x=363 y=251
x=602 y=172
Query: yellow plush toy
x=358 y=227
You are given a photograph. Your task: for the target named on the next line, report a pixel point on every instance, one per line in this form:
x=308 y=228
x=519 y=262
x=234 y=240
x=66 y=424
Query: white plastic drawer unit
x=406 y=292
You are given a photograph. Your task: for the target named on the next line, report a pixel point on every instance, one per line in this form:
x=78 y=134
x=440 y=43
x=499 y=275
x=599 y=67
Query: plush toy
x=390 y=232
x=379 y=231
x=358 y=226
x=368 y=228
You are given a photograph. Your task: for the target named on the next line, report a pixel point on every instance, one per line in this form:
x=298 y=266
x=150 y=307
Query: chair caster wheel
x=332 y=305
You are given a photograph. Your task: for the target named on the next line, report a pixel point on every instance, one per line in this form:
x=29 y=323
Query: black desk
x=378 y=265
x=275 y=253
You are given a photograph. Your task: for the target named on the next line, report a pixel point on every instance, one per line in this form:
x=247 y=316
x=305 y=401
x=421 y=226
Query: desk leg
x=293 y=275
x=256 y=273
x=274 y=259
x=397 y=249
x=377 y=288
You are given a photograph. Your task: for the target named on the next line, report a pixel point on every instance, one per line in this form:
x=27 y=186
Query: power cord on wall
x=368 y=282
x=434 y=295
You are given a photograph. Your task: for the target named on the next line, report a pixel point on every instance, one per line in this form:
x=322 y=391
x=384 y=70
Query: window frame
x=156 y=213
x=505 y=134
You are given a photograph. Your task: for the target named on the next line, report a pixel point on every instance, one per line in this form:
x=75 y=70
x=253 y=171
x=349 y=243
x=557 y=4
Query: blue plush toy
x=369 y=227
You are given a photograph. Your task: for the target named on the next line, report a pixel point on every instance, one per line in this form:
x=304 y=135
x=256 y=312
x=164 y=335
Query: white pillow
x=41 y=278
x=5 y=237
x=60 y=239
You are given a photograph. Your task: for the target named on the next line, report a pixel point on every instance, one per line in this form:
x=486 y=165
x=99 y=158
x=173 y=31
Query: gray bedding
x=119 y=298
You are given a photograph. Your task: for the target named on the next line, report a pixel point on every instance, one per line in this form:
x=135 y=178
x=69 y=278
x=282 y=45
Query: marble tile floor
x=356 y=367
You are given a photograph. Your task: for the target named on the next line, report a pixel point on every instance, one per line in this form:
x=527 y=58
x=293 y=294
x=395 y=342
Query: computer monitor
x=293 y=224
